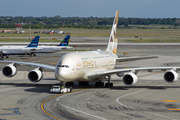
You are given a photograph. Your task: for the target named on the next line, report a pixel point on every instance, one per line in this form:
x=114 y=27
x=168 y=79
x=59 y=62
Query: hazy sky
x=95 y=8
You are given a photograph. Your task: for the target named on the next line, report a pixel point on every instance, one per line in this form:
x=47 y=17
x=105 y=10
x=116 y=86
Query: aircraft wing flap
x=134 y=70
x=31 y=64
x=124 y=59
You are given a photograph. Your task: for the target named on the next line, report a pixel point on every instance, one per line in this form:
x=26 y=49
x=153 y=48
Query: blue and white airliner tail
x=34 y=42
x=65 y=42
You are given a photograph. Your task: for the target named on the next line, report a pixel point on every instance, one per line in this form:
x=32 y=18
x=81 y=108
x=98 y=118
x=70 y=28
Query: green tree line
x=80 y=22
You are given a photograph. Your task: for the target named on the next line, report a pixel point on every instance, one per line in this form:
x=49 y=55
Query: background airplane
x=20 y=50
x=33 y=48
x=50 y=49
x=91 y=66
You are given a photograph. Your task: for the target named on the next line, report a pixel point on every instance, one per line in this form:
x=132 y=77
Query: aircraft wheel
x=109 y=85
x=97 y=84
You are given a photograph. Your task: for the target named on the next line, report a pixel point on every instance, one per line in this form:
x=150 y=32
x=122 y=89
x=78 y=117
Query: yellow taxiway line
x=170 y=100
x=173 y=109
x=42 y=104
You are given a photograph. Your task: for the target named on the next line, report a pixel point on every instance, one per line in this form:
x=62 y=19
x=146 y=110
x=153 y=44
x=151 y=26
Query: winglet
x=65 y=42
x=112 y=44
x=34 y=42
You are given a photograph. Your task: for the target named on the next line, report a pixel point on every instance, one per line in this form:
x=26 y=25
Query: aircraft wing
x=124 y=59
x=134 y=70
x=31 y=64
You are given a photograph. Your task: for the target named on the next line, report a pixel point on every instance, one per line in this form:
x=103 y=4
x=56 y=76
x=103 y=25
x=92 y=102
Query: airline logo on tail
x=112 y=45
x=34 y=42
x=65 y=42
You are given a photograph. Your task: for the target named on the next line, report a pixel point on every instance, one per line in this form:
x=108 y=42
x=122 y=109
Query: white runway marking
x=118 y=99
x=76 y=109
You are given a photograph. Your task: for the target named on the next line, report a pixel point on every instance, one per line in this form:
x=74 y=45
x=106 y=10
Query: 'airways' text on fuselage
x=89 y=63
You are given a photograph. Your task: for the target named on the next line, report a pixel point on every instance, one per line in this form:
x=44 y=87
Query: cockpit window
x=66 y=66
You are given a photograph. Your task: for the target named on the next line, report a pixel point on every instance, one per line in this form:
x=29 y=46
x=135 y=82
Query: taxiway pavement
x=150 y=98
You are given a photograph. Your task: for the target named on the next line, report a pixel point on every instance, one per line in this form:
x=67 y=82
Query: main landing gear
x=108 y=84
x=32 y=54
x=99 y=84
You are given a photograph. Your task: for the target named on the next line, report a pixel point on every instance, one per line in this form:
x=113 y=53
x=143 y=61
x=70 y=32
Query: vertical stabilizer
x=112 y=44
x=65 y=42
x=34 y=42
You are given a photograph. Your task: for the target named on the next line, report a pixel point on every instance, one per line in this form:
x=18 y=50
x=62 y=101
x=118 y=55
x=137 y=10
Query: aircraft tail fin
x=112 y=44
x=34 y=42
x=65 y=41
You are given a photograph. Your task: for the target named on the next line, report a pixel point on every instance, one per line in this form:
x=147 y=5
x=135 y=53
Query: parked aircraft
x=50 y=49
x=20 y=50
x=91 y=66
x=33 y=48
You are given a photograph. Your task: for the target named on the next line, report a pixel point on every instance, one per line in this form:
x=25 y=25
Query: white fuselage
x=50 y=49
x=8 y=50
x=76 y=66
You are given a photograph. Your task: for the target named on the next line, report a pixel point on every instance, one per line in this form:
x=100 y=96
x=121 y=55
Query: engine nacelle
x=9 y=70
x=170 y=76
x=35 y=75
x=130 y=78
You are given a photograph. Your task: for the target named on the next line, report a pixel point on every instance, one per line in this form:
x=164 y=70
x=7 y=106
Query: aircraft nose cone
x=62 y=74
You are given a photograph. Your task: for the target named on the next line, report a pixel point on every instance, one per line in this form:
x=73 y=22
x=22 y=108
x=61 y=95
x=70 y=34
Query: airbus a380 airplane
x=91 y=66
x=33 y=48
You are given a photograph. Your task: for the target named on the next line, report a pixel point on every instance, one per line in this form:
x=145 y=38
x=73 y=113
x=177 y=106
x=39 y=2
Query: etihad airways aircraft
x=33 y=48
x=91 y=66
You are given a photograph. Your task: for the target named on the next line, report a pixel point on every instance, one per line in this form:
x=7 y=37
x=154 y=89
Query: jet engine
x=130 y=78
x=9 y=70
x=35 y=75
x=170 y=76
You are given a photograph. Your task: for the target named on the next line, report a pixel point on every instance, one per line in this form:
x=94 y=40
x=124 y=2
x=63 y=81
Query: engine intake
x=170 y=76
x=9 y=70
x=35 y=75
x=130 y=78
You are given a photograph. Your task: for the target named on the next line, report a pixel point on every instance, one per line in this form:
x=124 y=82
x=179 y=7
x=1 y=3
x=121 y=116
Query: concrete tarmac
x=150 y=98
